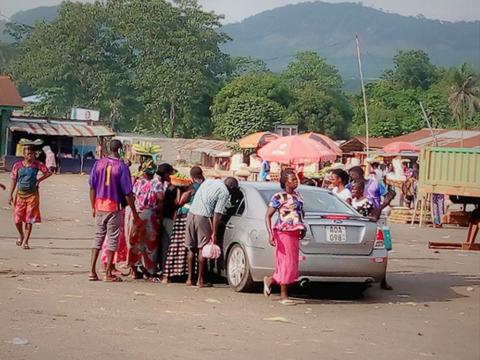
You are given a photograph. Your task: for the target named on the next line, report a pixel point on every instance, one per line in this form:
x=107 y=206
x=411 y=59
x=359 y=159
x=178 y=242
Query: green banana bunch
x=147 y=148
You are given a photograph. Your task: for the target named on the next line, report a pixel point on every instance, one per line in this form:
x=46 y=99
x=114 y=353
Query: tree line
x=157 y=67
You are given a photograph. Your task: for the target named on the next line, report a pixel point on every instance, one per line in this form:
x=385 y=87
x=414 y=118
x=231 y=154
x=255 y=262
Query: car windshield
x=316 y=201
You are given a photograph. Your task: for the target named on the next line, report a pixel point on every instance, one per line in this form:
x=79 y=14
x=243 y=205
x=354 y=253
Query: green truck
x=450 y=171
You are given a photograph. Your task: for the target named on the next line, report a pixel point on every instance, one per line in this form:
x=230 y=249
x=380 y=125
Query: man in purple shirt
x=110 y=190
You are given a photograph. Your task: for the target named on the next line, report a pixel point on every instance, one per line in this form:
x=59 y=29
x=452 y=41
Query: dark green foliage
x=247 y=114
x=147 y=65
x=450 y=98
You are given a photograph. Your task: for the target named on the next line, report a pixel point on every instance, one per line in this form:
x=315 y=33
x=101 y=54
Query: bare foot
x=19 y=241
x=26 y=247
x=189 y=283
x=385 y=286
x=112 y=278
x=204 y=285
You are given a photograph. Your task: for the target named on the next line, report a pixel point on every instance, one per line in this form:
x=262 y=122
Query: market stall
x=75 y=144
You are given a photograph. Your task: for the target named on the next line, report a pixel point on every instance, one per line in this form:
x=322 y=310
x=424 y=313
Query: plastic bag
x=211 y=251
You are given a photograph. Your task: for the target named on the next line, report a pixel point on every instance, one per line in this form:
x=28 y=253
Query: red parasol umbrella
x=296 y=150
x=400 y=146
x=324 y=140
x=256 y=140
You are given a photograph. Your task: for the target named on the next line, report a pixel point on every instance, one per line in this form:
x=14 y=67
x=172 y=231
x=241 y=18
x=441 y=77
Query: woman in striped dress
x=176 y=264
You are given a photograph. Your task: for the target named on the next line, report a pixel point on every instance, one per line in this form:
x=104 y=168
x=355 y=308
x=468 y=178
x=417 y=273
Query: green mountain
x=276 y=35
x=29 y=17
x=330 y=29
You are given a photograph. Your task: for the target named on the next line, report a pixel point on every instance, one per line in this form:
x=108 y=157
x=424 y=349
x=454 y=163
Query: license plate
x=336 y=234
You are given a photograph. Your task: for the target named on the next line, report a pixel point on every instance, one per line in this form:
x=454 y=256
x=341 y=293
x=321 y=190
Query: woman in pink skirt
x=285 y=235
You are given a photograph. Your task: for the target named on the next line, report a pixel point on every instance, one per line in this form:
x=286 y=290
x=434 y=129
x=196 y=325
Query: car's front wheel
x=238 y=270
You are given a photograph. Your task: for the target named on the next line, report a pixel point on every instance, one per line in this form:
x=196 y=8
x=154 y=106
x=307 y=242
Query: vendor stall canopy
x=58 y=127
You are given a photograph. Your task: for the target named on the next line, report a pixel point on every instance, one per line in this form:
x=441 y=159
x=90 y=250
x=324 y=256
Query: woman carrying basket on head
x=177 y=255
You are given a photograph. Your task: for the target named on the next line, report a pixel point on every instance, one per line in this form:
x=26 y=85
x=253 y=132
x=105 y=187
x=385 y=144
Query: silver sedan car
x=340 y=245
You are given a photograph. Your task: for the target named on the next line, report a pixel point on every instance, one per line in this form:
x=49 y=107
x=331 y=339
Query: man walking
x=210 y=201
x=110 y=189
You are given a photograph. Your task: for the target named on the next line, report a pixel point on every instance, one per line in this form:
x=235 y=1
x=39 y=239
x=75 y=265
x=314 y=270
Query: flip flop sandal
x=19 y=242
x=267 y=290
x=26 y=247
x=112 y=279
x=93 y=278
x=287 y=302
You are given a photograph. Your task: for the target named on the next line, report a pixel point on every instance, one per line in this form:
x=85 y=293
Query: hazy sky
x=236 y=10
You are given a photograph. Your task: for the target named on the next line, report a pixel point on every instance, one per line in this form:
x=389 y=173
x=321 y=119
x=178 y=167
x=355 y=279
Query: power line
x=317 y=50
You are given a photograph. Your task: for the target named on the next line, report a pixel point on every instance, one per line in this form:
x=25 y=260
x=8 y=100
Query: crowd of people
x=155 y=226
x=151 y=228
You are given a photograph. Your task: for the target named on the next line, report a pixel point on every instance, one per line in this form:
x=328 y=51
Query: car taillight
x=336 y=217
x=379 y=242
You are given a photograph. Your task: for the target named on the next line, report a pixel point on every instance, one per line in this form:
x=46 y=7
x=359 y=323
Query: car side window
x=241 y=208
x=236 y=205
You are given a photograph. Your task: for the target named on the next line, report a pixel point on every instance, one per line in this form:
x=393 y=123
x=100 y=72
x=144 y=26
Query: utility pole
x=434 y=137
x=364 y=96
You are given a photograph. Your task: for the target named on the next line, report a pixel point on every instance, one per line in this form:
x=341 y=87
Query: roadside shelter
x=10 y=100
x=75 y=143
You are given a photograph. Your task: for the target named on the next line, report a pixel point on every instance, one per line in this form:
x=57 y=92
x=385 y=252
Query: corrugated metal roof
x=209 y=147
x=449 y=138
x=9 y=95
x=58 y=128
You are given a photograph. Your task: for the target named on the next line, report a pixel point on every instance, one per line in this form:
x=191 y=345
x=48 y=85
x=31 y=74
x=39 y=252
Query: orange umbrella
x=324 y=140
x=256 y=140
x=400 y=146
x=296 y=150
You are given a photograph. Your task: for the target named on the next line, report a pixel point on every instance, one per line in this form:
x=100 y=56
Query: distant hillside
x=29 y=17
x=330 y=30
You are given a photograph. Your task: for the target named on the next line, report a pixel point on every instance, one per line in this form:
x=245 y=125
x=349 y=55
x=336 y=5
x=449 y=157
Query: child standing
x=359 y=201
x=27 y=198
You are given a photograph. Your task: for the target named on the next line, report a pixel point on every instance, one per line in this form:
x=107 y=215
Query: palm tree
x=464 y=94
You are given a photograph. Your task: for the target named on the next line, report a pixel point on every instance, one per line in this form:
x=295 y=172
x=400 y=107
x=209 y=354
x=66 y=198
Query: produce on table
x=180 y=179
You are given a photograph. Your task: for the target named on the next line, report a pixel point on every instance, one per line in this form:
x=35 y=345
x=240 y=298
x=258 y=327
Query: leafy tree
x=320 y=111
x=310 y=69
x=319 y=104
x=266 y=85
x=177 y=57
x=240 y=66
x=413 y=69
x=18 y=32
x=247 y=114
x=394 y=111
x=74 y=61
x=464 y=94
x=7 y=53
x=145 y=64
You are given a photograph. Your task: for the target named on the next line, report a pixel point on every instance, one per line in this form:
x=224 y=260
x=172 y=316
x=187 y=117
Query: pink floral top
x=146 y=192
x=290 y=211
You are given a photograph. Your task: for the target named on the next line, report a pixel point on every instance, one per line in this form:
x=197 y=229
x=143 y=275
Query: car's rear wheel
x=238 y=270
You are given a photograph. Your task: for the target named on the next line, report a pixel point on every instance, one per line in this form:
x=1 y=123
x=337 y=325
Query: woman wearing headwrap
x=142 y=240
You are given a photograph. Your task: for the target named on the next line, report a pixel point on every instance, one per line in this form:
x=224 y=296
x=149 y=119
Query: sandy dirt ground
x=48 y=309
